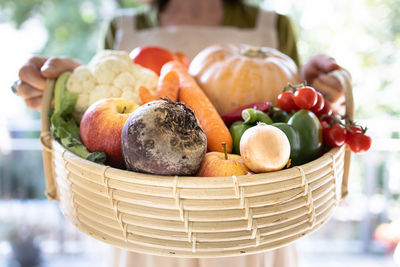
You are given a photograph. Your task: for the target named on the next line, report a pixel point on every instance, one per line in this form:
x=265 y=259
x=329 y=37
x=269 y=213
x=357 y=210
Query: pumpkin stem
x=253 y=51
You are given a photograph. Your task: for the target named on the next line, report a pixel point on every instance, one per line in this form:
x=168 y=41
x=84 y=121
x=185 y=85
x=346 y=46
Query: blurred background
x=364 y=230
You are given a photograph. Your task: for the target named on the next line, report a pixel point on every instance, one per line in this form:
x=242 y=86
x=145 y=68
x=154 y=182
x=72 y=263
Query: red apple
x=101 y=127
x=215 y=164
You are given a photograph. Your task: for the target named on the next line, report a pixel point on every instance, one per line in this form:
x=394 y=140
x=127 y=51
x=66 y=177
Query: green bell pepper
x=237 y=129
x=294 y=139
x=251 y=116
x=310 y=133
x=279 y=115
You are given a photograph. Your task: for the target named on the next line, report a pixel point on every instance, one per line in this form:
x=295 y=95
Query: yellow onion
x=264 y=148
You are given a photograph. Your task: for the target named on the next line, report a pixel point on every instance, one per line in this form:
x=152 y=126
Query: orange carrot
x=193 y=96
x=182 y=58
x=145 y=95
x=168 y=85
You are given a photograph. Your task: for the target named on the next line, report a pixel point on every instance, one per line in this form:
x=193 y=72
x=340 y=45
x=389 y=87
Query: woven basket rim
x=333 y=152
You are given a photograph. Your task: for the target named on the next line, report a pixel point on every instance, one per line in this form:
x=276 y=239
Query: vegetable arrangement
x=337 y=130
x=129 y=116
x=308 y=122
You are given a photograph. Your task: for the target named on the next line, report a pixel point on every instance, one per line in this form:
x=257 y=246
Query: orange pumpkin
x=233 y=75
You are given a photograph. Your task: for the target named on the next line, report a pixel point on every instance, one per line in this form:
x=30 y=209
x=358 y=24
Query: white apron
x=191 y=40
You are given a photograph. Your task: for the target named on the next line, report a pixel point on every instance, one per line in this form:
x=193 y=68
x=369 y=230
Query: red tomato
x=305 y=97
x=320 y=103
x=285 y=101
x=151 y=57
x=334 y=135
x=326 y=110
x=359 y=142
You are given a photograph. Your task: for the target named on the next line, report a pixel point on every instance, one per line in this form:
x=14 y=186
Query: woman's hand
x=317 y=65
x=316 y=73
x=33 y=75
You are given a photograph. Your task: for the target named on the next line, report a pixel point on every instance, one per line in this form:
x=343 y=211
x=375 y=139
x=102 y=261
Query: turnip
x=163 y=137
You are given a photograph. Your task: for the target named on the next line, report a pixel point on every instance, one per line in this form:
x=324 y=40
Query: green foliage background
x=73 y=26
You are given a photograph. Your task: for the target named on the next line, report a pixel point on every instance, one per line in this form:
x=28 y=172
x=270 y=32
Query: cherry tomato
x=334 y=135
x=326 y=110
x=320 y=103
x=324 y=124
x=285 y=101
x=329 y=118
x=356 y=129
x=305 y=97
x=359 y=142
x=353 y=129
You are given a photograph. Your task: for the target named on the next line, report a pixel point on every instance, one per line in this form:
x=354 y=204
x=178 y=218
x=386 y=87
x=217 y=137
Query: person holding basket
x=226 y=21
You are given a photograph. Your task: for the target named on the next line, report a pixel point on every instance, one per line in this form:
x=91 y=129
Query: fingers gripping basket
x=192 y=216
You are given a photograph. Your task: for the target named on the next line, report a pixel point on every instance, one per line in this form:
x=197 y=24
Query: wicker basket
x=192 y=216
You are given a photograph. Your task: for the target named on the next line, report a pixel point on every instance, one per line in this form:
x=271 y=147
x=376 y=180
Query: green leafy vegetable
x=64 y=127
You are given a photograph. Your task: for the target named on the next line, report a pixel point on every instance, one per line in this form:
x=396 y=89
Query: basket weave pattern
x=193 y=216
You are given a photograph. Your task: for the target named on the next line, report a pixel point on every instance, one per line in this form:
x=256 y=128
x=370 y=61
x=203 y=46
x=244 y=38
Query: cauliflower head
x=110 y=73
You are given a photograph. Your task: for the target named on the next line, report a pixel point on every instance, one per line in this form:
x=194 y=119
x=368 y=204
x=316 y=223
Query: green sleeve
x=143 y=20
x=147 y=20
x=109 y=39
x=239 y=15
x=287 y=38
